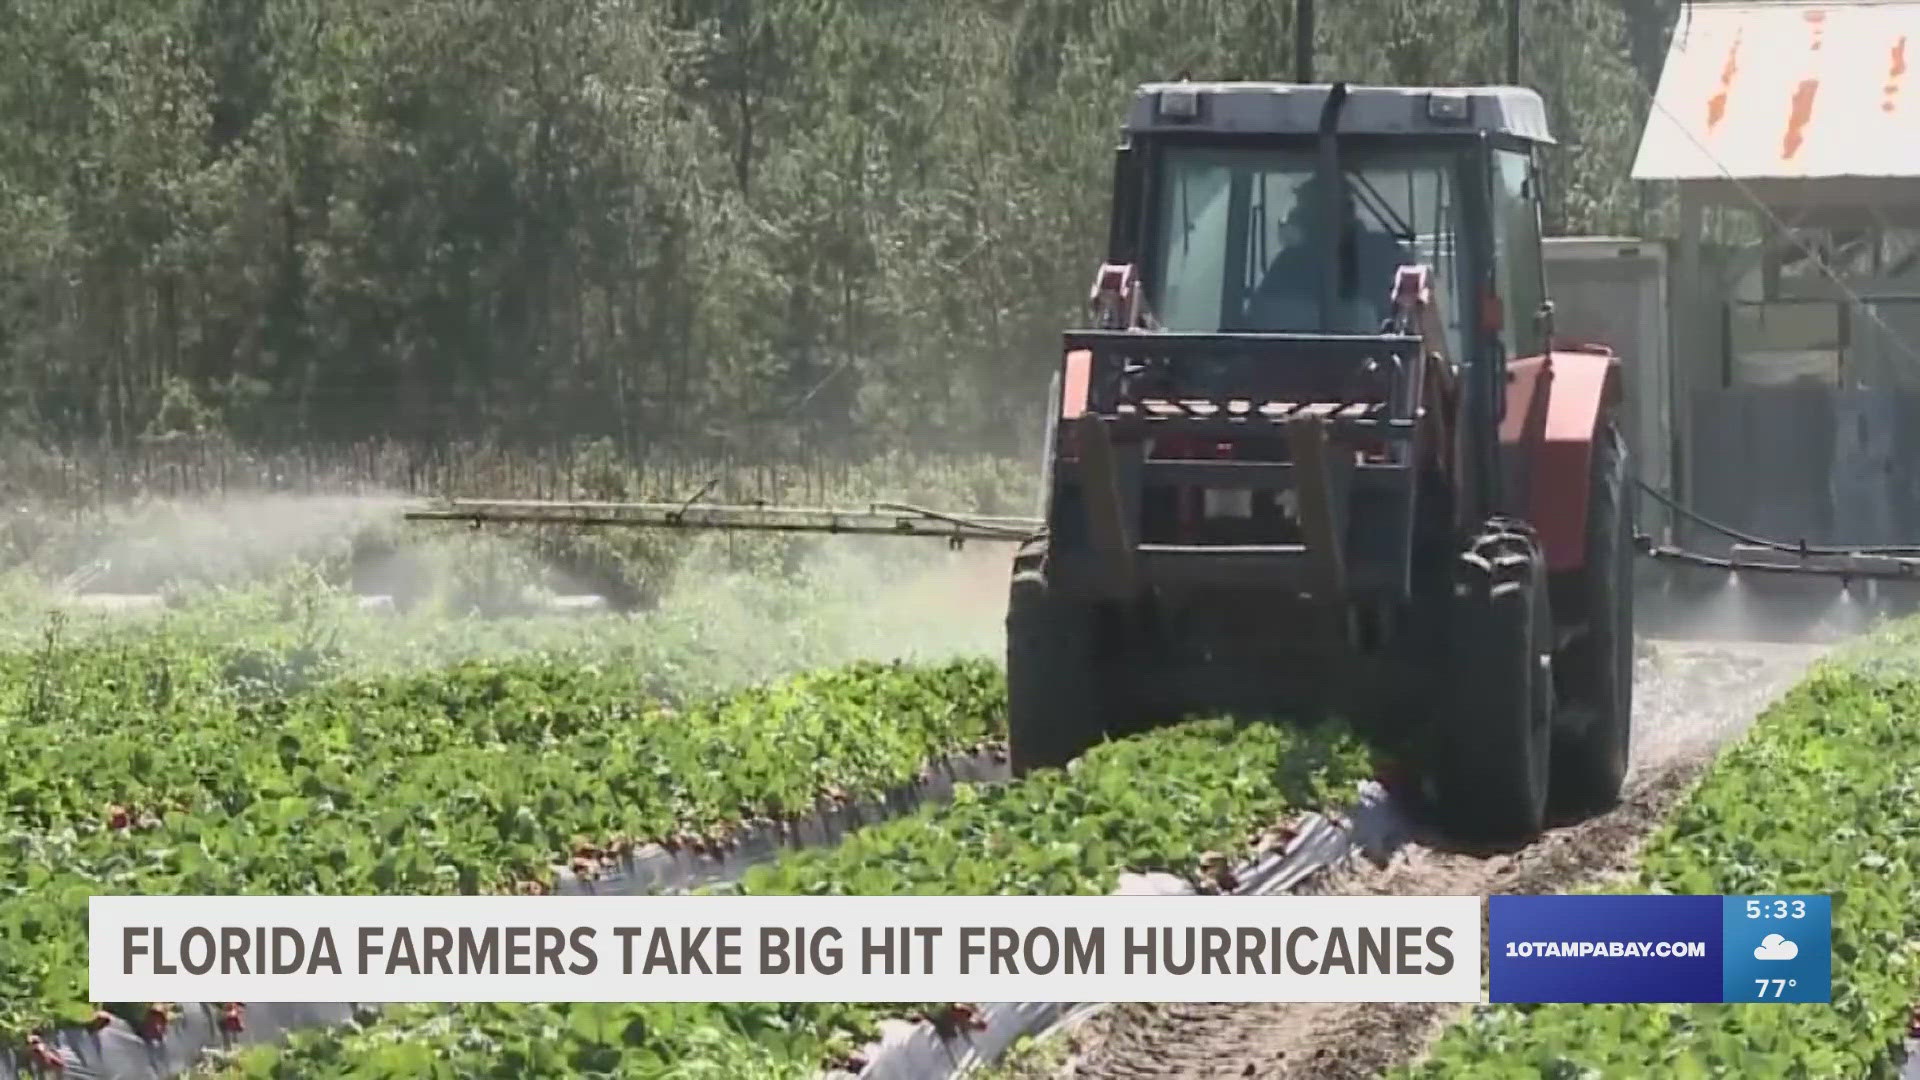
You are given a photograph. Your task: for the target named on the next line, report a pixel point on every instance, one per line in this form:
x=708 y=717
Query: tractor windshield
x=1238 y=246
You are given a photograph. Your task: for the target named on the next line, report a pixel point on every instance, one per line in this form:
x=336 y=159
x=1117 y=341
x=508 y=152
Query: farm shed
x=1789 y=130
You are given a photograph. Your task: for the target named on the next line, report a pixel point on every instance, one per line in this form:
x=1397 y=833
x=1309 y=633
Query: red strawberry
x=118 y=817
x=232 y=1018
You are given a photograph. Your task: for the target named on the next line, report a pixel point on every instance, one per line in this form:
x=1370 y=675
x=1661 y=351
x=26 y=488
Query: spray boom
x=877 y=519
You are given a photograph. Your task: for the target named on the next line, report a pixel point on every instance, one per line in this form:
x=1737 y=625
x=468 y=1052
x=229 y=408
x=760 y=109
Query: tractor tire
x=1592 y=752
x=1054 y=692
x=1495 y=746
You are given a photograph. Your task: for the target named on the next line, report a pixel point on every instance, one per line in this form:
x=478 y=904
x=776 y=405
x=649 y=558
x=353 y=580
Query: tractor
x=1319 y=450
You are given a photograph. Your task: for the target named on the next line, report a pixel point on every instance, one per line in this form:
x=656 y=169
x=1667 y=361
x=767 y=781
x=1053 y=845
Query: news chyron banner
x=786 y=948
x=1721 y=949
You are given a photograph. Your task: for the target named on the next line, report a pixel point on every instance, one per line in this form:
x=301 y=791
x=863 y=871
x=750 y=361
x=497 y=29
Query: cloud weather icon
x=1775 y=947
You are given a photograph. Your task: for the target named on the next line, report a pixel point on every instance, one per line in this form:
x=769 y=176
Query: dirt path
x=1689 y=700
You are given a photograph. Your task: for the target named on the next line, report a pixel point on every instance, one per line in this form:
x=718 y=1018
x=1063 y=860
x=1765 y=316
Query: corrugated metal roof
x=1789 y=89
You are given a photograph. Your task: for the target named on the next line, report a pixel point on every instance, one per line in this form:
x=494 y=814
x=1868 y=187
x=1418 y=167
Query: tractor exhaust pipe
x=1513 y=42
x=1303 y=41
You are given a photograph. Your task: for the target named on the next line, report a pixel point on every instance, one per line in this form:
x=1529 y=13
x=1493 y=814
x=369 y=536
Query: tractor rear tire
x=1591 y=755
x=1494 y=753
x=1054 y=690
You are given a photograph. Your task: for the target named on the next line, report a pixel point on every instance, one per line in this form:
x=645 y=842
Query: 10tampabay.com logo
x=1593 y=949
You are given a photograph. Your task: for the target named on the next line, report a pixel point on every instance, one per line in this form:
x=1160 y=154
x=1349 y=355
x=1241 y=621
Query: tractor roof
x=1247 y=108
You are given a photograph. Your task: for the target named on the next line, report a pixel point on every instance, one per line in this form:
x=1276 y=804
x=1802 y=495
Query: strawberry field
x=272 y=737
x=1823 y=796
x=1160 y=802
x=136 y=769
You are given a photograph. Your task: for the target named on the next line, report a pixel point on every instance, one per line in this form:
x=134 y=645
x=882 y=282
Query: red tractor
x=1321 y=452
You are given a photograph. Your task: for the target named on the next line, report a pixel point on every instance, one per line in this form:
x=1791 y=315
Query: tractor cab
x=1246 y=208
x=1322 y=245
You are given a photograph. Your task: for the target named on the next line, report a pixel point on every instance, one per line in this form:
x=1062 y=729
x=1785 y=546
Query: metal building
x=1792 y=131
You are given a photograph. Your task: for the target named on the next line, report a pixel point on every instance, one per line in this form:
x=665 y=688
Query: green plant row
x=476 y=779
x=1156 y=802
x=158 y=733
x=1823 y=796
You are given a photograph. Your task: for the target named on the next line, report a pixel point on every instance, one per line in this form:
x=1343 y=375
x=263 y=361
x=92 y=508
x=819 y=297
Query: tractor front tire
x=1591 y=755
x=1054 y=692
x=1496 y=739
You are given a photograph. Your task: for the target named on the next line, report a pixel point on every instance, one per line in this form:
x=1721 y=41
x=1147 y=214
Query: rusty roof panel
x=1788 y=89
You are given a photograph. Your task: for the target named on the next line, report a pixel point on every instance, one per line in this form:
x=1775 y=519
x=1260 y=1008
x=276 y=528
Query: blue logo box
x=1684 y=949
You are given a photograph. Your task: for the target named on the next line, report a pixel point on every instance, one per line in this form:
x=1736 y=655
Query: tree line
x=745 y=226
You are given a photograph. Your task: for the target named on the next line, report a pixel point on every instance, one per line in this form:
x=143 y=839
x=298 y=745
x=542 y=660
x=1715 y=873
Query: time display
x=1776 y=909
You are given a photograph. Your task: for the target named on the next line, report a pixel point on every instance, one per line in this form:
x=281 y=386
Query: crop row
x=1822 y=797
x=140 y=773
x=1160 y=801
